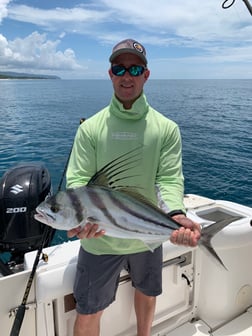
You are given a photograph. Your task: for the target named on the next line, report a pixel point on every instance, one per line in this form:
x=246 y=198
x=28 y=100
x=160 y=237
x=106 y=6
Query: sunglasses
x=133 y=70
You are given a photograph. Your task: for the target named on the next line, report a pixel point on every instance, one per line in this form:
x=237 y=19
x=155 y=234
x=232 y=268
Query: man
x=125 y=124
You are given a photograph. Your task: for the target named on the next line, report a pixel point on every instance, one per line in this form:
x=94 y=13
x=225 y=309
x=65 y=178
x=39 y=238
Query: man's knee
x=87 y=324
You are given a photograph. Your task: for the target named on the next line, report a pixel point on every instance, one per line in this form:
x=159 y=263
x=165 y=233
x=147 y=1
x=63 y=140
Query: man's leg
x=145 y=309
x=145 y=269
x=87 y=325
x=95 y=286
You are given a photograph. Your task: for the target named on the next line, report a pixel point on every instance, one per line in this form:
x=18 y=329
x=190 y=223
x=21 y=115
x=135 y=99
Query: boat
x=200 y=297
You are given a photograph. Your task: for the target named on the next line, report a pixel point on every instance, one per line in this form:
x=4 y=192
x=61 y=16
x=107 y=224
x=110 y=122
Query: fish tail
x=209 y=248
x=209 y=232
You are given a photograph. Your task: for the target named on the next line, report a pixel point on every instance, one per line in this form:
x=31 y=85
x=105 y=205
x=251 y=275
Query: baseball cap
x=129 y=46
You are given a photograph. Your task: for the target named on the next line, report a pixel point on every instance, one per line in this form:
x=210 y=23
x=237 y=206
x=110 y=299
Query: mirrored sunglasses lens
x=118 y=70
x=136 y=70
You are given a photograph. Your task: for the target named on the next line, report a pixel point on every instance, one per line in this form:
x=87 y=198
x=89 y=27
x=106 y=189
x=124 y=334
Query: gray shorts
x=97 y=277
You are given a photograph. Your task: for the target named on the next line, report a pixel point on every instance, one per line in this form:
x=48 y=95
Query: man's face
x=127 y=87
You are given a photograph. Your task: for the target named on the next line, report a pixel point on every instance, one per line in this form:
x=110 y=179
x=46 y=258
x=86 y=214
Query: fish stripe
x=141 y=216
x=76 y=203
x=97 y=200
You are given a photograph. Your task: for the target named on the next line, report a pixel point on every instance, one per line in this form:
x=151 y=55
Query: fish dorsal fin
x=135 y=194
x=99 y=179
x=111 y=174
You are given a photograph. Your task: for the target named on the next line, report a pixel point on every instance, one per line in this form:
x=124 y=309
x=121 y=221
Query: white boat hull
x=199 y=297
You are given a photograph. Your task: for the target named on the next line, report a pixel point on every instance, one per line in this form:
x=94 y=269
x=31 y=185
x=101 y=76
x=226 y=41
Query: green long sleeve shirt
x=114 y=131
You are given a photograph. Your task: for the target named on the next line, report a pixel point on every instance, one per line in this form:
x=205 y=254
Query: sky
x=191 y=39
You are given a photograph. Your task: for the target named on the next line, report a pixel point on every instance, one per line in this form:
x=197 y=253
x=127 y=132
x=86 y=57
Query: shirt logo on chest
x=124 y=136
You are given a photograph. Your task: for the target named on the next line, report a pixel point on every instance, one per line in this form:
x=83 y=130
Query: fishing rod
x=225 y=5
x=19 y=316
x=248 y=5
x=66 y=164
x=21 y=309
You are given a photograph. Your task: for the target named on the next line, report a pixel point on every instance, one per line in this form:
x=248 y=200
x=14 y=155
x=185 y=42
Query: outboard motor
x=22 y=188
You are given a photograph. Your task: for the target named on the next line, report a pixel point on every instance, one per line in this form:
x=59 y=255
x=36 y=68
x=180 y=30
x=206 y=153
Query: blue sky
x=73 y=39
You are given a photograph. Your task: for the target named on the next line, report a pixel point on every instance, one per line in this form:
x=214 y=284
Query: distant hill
x=17 y=75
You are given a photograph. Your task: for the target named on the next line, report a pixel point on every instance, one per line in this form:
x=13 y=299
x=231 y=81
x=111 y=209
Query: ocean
x=39 y=119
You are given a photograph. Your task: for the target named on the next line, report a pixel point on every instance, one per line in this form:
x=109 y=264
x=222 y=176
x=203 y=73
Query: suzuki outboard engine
x=22 y=188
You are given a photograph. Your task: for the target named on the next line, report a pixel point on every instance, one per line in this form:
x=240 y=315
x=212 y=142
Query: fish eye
x=53 y=204
x=55 y=208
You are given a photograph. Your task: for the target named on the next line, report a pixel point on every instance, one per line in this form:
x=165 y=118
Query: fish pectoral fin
x=92 y=220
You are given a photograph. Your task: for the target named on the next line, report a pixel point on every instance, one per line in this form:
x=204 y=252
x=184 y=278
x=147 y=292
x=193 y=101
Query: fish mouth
x=42 y=217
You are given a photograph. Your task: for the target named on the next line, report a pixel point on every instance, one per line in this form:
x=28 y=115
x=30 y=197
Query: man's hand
x=188 y=234
x=88 y=231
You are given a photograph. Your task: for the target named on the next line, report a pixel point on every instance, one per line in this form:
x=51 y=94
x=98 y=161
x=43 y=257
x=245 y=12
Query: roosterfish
x=119 y=210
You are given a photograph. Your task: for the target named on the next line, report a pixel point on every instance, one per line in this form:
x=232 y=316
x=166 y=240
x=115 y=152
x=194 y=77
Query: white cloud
x=160 y=22
x=75 y=19
x=202 y=21
x=202 y=31
x=36 y=52
x=3 y=9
